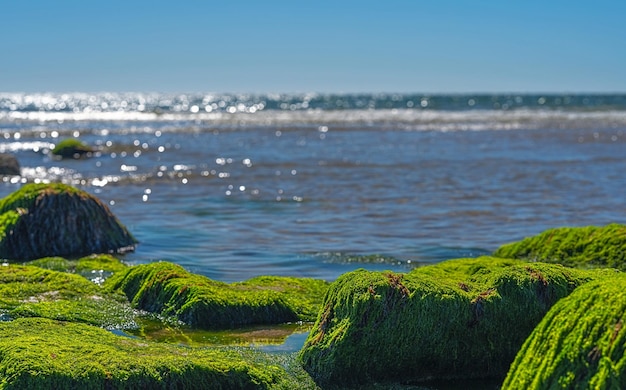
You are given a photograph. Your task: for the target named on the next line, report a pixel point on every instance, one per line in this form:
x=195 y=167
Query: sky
x=243 y=46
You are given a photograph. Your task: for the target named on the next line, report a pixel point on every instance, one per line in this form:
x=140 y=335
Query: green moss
x=579 y=344
x=28 y=291
x=8 y=219
x=585 y=247
x=96 y=268
x=101 y=262
x=459 y=319
x=55 y=263
x=72 y=148
x=45 y=354
x=168 y=289
x=43 y=220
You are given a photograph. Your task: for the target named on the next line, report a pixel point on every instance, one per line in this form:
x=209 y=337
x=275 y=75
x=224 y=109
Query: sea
x=233 y=186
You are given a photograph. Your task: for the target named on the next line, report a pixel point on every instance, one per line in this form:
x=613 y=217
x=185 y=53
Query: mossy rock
x=579 y=344
x=456 y=320
x=72 y=148
x=168 y=289
x=47 y=354
x=44 y=220
x=583 y=247
x=94 y=267
x=29 y=291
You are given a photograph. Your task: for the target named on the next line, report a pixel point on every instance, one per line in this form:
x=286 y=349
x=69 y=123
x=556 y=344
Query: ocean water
x=315 y=185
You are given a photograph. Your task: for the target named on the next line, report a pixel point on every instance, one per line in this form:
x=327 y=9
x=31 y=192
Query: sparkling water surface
x=317 y=185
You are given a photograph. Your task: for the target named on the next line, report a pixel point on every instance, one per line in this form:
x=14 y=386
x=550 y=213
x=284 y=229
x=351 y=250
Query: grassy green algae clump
x=29 y=291
x=47 y=354
x=53 y=336
x=43 y=220
x=458 y=319
x=94 y=267
x=583 y=247
x=168 y=289
x=72 y=148
x=579 y=344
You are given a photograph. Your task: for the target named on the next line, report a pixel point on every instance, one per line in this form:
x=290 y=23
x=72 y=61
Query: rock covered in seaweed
x=42 y=220
x=30 y=291
x=583 y=247
x=579 y=344
x=72 y=148
x=168 y=289
x=9 y=165
x=95 y=268
x=44 y=354
x=458 y=319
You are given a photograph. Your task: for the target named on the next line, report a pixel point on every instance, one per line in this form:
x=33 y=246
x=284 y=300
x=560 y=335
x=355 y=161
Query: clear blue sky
x=314 y=46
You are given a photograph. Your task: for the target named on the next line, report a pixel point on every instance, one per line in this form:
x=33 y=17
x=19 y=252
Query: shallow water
x=311 y=185
x=279 y=188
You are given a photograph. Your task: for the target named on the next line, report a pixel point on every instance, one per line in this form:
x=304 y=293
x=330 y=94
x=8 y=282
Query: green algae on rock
x=383 y=326
x=29 y=291
x=43 y=220
x=72 y=148
x=168 y=289
x=46 y=354
x=579 y=344
x=94 y=267
x=583 y=247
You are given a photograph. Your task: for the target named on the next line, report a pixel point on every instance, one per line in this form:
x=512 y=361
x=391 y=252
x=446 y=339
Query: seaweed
x=581 y=247
x=579 y=344
x=93 y=267
x=47 y=354
x=456 y=320
x=29 y=291
x=72 y=148
x=170 y=290
x=44 y=220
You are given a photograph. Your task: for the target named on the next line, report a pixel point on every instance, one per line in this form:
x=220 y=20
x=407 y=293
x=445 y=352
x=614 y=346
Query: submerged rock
x=579 y=344
x=72 y=148
x=43 y=220
x=9 y=165
x=46 y=354
x=458 y=319
x=583 y=247
x=168 y=289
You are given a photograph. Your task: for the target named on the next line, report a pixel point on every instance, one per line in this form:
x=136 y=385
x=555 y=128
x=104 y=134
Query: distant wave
x=410 y=112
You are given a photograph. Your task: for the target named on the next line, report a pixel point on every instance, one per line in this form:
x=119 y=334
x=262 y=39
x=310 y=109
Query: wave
x=406 y=119
x=321 y=112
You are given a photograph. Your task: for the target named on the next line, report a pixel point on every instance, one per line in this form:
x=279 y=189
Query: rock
x=583 y=247
x=87 y=264
x=72 y=148
x=29 y=291
x=43 y=220
x=9 y=166
x=579 y=344
x=455 y=320
x=44 y=354
x=168 y=289
x=52 y=337
x=95 y=268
